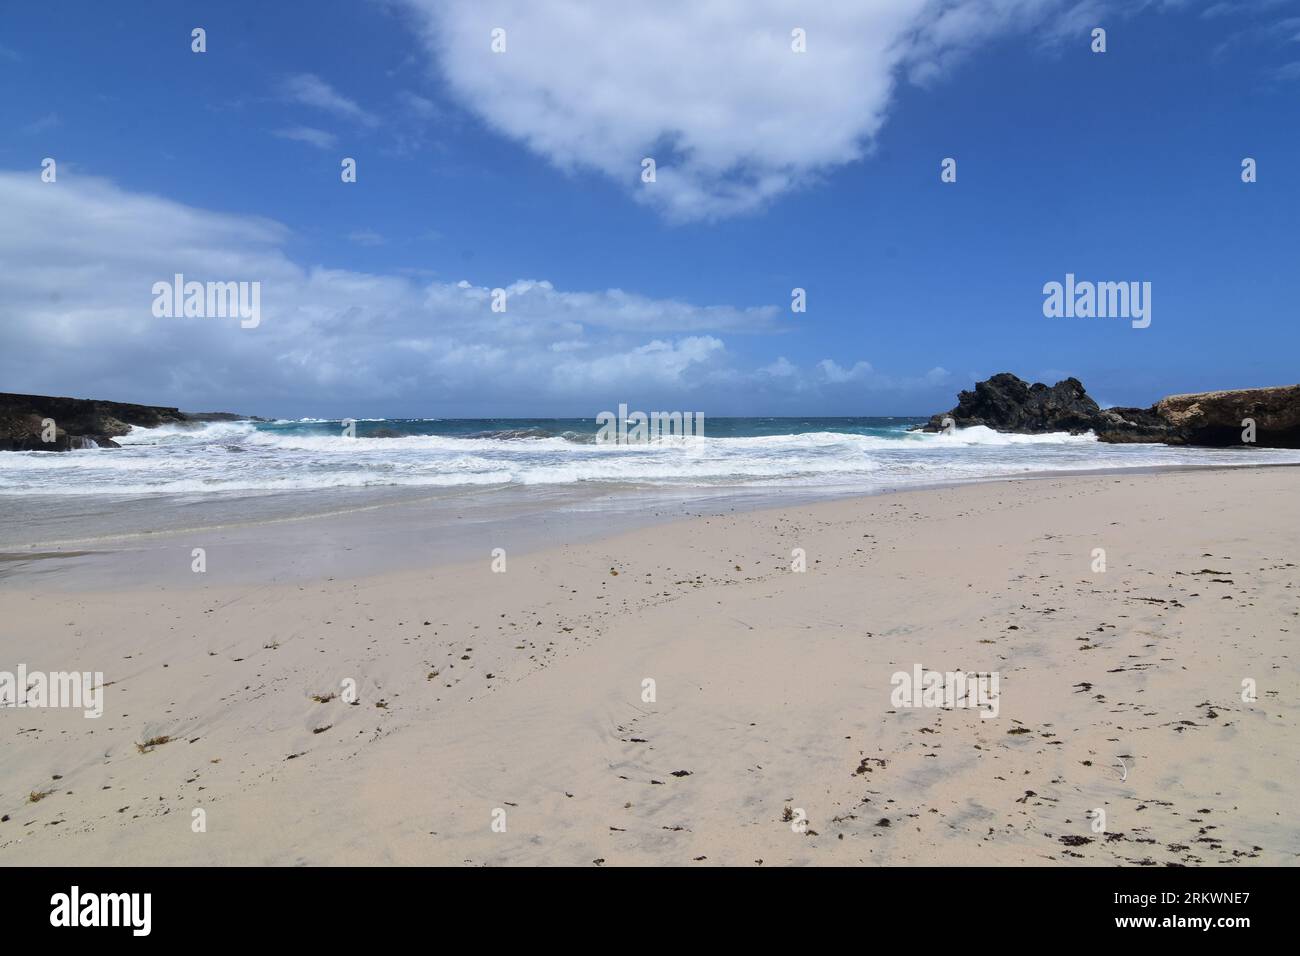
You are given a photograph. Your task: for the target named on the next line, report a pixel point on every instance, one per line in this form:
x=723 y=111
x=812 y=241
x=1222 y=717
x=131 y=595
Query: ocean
x=297 y=500
x=832 y=455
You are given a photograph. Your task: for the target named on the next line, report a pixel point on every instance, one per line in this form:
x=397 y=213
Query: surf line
x=645 y=428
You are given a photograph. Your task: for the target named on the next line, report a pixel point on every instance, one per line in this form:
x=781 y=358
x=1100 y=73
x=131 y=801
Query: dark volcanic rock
x=221 y=417
x=78 y=422
x=1006 y=403
x=1120 y=425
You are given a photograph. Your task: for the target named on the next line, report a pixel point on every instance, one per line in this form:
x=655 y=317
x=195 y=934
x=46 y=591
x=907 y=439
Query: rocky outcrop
x=46 y=423
x=220 y=417
x=1007 y=403
x=1120 y=425
x=1216 y=418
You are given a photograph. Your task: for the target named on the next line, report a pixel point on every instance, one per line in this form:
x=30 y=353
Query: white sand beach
x=517 y=698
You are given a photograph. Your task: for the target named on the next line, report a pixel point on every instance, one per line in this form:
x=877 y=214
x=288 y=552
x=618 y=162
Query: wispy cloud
x=864 y=375
x=307 y=134
x=47 y=122
x=1223 y=8
x=308 y=89
x=421 y=106
x=366 y=237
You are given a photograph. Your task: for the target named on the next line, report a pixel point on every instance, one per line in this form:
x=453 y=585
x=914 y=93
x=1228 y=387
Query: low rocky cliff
x=1007 y=403
x=1215 y=418
x=46 y=423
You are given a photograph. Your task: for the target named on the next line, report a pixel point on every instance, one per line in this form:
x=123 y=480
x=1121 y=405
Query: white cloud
x=781 y=368
x=711 y=90
x=863 y=375
x=310 y=90
x=307 y=134
x=660 y=365
x=419 y=105
x=366 y=237
x=48 y=121
x=833 y=373
x=78 y=259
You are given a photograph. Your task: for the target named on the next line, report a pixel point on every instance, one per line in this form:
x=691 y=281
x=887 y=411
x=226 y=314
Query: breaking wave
x=308 y=454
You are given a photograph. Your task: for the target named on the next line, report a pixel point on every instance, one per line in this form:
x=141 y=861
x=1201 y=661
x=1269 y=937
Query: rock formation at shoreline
x=81 y=422
x=1214 y=418
x=1007 y=403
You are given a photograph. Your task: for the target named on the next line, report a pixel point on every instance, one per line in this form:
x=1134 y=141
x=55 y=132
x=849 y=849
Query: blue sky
x=504 y=170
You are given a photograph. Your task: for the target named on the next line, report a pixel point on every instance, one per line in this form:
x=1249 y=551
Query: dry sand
x=518 y=696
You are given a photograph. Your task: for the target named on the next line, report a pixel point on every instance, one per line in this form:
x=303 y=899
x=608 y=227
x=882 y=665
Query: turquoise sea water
x=583 y=430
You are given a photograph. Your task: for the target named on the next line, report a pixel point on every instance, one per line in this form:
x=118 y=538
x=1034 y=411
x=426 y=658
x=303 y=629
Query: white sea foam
x=241 y=457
